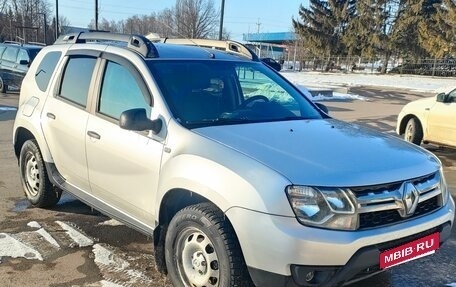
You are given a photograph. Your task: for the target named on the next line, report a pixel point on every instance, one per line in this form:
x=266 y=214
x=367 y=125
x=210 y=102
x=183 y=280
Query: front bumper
x=280 y=252
x=363 y=264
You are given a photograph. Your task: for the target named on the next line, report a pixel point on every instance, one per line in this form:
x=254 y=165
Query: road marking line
x=11 y=247
x=77 y=236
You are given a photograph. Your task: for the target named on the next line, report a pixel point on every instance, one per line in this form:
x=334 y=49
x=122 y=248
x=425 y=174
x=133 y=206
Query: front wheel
x=413 y=131
x=201 y=249
x=37 y=187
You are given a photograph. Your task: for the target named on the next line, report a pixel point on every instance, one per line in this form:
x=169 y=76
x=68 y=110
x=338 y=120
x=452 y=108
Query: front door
x=442 y=121
x=123 y=165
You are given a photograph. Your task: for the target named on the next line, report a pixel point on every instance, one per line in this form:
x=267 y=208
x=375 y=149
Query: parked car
x=430 y=120
x=237 y=175
x=15 y=59
x=272 y=63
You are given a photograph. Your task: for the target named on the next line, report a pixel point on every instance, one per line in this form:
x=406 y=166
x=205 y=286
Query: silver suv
x=240 y=178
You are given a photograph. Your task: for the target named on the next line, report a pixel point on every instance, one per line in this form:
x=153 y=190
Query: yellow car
x=430 y=120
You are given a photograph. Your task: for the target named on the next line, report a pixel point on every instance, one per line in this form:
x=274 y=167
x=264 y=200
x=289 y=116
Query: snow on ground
x=335 y=96
x=111 y=222
x=11 y=247
x=409 y=82
x=77 y=236
x=106 y=257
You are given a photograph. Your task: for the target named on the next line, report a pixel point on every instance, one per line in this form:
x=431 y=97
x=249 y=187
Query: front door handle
x=93 y=135
x=51 y=116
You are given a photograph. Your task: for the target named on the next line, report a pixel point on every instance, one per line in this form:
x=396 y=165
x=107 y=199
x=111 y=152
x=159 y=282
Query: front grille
x=384 y=204
x=386 y=217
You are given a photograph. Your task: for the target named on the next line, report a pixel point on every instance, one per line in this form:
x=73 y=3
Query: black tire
x=413 y=131
x=37 y=187
x=3 y=86
x=201 y=242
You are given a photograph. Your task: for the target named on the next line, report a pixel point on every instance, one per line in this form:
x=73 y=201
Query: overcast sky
x=241 y=16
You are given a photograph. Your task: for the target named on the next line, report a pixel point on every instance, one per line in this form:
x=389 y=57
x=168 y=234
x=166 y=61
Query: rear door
x=123 y=165
x=64 y=119
x=442 y=121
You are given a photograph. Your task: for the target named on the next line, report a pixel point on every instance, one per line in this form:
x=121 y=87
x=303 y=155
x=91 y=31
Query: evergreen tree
x=438 y=30
x=365 y=30
x=323 y=25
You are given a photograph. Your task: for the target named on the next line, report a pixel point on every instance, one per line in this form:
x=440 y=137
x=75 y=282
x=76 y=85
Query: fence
x=429 y=67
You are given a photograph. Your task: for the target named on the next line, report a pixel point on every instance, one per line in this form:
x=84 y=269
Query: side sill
x=57 y=179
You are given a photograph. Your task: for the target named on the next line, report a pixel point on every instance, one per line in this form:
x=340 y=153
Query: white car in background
x=430 y=120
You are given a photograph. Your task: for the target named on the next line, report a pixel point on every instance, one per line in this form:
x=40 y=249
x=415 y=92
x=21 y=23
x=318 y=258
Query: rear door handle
x=93 y=135
x=51 y=116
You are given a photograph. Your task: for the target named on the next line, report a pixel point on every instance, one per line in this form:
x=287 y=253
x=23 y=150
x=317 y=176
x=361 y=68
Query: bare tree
x=195 y=18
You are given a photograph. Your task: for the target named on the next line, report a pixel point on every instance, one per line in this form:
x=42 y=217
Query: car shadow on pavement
x=70 y=204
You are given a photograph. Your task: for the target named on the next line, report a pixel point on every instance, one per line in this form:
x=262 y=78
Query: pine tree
x=438 y=35
x=365 y=30
x=323 y=25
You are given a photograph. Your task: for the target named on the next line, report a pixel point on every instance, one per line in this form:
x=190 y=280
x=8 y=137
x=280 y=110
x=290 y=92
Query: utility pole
x=44 y=27
x=221 y=19
x=258 y=26
x=56 y=19
x=96 y=14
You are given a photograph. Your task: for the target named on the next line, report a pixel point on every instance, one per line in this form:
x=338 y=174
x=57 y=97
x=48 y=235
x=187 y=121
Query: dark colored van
x=15 y=59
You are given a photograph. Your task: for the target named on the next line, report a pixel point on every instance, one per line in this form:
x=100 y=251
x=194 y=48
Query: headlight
x=443 y=188
x=323 y=207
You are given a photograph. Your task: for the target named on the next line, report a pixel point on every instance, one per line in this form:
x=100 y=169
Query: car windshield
x=208 y=92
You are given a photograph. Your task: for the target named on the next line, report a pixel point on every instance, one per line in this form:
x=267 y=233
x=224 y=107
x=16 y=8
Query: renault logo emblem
x=410 y=198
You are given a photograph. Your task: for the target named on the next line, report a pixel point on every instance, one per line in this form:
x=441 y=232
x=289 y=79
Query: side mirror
x=441 y=98
x=23 y=62
x=322 y=107
x=137 y=120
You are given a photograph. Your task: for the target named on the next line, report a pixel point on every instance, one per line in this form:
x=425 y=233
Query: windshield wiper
x=218 y=121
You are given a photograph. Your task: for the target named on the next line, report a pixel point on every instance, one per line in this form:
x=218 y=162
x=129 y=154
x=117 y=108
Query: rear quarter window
x=45 y=69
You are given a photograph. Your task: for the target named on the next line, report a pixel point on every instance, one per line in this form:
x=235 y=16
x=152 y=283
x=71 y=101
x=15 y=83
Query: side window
x=10 y=54
x=2 y=48
x=120 y=91
x=46 y=69
x=76 y=79
x=23 y=56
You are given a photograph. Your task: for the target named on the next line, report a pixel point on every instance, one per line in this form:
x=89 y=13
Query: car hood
x=325 y=152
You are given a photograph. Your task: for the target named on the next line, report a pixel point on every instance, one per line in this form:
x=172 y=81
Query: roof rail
x=36 y=43
x=229 y=46
x=12 y=42
x=137 y=43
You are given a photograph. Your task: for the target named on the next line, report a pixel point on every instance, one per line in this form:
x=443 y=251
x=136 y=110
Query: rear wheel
x=201 y=249
x=37 y=187
x=3 y=86
x=413 y=131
